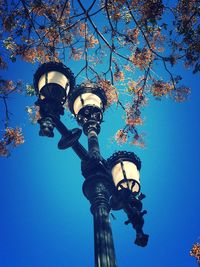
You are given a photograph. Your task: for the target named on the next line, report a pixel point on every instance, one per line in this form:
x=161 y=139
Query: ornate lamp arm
x=76 y=146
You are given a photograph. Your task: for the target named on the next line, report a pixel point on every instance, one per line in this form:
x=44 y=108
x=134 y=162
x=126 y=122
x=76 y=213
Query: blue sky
x=44 y=217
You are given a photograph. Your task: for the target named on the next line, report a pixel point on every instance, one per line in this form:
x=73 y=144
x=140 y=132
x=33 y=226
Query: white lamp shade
x=86 y=99
x=132 y=173
x=54 y=77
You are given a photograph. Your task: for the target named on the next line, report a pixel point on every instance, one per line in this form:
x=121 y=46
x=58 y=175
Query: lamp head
x=125 y=167
x=53 y=81
x=87 y=102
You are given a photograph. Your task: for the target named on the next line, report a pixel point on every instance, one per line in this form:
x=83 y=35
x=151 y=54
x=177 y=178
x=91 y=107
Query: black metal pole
x=93 y=144
x=80 y=151
x=104 y=247
x=97 y=191
x=97 y=188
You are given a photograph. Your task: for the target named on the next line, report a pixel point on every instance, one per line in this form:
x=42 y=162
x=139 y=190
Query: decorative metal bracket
x=90 y=118
x=132 y=205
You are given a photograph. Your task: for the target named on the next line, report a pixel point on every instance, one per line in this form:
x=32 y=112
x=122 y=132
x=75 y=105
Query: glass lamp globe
x=87 y=95
x=54 y=81
x=125 y=169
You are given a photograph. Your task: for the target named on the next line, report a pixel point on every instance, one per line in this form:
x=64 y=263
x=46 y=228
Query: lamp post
x=109 y=184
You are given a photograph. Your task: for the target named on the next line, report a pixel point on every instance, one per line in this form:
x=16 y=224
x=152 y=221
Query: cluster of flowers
x=51 y=9
x=122 y=136
x=186 y=12
x=133 y=114
x=114 y=9
x=40 y=54
x=91 y=41
x=133 y=34
x=151 y=10
x=3 y=64
x=12 y=137
x=9 y=44
x=52 y=35
x=9 y=22
x=180 y=94
x=160 y=88
x=137 y=88
x=76 y=53
x=30 y=90
x=156 y=38
x=138 y=140
x=141 y=57
x=110 y=91
x=8 y=86
x=82 y=29
x=195 y=252
x=31 y=54
x=119 y=76
x=33 y=113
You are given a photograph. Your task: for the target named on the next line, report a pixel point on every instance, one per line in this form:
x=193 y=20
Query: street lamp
x=125 y=169
x=109 y=184
x=53 y=82
x=87 y=102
